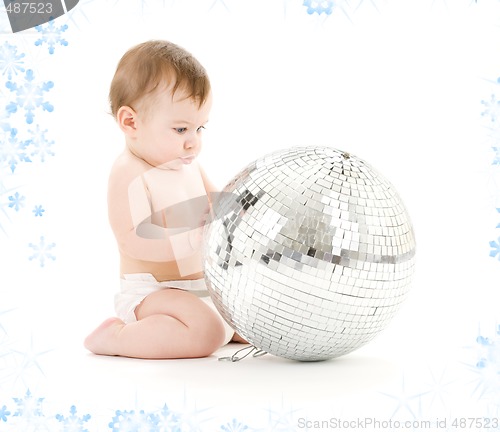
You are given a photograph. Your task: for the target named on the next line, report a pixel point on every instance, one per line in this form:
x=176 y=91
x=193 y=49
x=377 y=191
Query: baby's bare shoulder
x=127 y=167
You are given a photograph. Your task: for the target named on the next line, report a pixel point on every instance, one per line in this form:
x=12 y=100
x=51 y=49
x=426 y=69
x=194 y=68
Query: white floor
x=398 y=377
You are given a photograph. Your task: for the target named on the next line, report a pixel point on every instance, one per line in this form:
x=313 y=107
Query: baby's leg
x=170 y=324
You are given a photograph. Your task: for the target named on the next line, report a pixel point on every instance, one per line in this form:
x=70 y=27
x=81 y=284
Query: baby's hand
x=196 y=238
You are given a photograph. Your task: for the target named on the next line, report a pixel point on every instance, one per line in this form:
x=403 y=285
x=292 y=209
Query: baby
x=158 y=195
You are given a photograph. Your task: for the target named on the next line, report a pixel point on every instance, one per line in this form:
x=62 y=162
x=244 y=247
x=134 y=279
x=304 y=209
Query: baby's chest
x=168 y=188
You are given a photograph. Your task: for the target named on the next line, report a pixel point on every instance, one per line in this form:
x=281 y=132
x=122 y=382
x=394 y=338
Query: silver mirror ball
x=309 y=253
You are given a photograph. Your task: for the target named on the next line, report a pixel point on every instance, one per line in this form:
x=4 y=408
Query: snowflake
x=4 y=312
x=73 y=423
x=4 y=414
x=496 y=160
x=41 y=251
x=131 y=421
x=3 y=345
x=282 y=420
x=495 y=248
x=4 y=123
x=404 y=401
x=5 y=368
x=79 y=13
x=4 y=204
x=498 y=210
x=219 y=2
x=28 y=407
x=30 y=359
x=488 y=365
x=439 y=389
x=51 y=35
x=492 y=108
x=29 y=96
x=234 y=426
x=167 y=420
x=40 y=143
x=16 y=201
x=38 y=210
x=142 y=3
x=12 y=150
x=319 y=6
x=10 y=60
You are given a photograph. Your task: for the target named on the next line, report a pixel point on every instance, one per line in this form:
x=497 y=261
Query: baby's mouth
x=187 y=159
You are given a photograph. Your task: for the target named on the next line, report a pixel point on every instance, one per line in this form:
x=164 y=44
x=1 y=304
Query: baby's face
x=169 y=134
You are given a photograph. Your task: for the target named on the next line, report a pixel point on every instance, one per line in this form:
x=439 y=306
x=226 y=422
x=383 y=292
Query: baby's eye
x=200 y=128
x=181 y=130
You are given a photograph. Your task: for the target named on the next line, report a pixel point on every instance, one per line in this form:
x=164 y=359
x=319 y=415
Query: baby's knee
x=209 y=336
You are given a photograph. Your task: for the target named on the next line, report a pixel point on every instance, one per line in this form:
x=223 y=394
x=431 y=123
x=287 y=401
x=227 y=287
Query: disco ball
x=309 y=253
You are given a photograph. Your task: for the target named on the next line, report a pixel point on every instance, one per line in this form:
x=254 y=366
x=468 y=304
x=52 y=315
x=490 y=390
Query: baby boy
x=160 y=97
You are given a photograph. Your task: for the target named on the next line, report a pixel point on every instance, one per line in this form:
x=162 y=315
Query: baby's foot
x=237 y=338
x=100 y=341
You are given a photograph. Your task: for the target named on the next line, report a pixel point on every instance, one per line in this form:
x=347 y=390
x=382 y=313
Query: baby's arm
x=212 y=192
x=209 y=186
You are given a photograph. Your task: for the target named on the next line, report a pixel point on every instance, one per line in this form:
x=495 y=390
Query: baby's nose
x=191 y=142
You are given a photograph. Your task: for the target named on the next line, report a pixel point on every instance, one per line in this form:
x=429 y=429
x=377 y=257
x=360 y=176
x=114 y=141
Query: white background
x=397 y=83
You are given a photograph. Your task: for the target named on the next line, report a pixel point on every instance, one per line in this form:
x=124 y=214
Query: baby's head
x=152 y=66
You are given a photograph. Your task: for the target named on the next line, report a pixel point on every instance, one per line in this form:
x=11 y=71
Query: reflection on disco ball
x=309 y=254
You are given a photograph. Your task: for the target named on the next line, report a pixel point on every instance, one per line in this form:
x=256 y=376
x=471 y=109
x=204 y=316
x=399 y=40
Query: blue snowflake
x=4 y=204
x=5 y=369
x=38 y=210
x=4 y=312
x=234 y=426
x=495 y=248
x=29 y=359
x=167 y=420
x=40 y=143
x=439 y=390
x=77 y=15
x=28 y=407
x=73 y=423
x=488 y=365
x=12 y=150
x=281 y=420
x=133 y=421
x=404 y=401
x=16 y=201
x=10 y=61
x=51 y=35
x=496 y=159
x=4 y=120
x=29 y=96
x=319 y=6
x=498 y=210
x=4 y=414
x=219 y=2
x=41 y=251
x=492 y=108
x=142 y=3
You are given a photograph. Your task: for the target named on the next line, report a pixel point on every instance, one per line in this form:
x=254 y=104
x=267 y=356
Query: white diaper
x=135 y=287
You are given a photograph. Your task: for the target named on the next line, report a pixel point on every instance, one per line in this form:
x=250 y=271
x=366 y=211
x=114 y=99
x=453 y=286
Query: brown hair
x=143 y=68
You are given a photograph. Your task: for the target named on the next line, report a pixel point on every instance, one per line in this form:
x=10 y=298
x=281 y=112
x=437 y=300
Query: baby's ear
x=127 y=118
